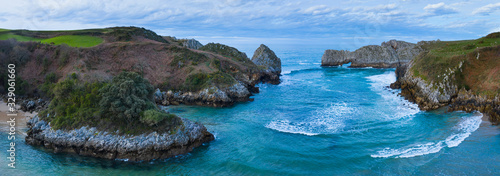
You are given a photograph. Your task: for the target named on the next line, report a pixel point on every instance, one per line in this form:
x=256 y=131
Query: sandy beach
x=21 y=119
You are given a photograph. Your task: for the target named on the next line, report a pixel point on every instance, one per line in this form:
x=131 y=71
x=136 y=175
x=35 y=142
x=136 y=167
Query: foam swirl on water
x=461 y=132
x=328 y=120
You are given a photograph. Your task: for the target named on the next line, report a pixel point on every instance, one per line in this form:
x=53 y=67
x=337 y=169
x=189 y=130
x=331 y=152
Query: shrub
x=48 y=84
x=73 y=103
x=198 y=81
x=125 y=104
x=126 y=97
x=225 y=51
x=153 y=117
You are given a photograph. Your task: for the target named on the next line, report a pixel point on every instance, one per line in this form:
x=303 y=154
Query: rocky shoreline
x=389 y=54
x=445 y=93
x=87 y=141
x=212 y=96
x=270 y=71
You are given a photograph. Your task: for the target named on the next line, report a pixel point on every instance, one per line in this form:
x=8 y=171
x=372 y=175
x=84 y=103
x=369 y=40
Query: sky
x=339 y=24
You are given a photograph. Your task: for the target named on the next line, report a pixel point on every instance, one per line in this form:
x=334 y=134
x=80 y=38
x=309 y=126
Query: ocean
x=318 y=121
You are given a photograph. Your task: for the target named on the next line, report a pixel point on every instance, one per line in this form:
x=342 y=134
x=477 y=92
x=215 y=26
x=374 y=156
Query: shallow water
x=321 y=121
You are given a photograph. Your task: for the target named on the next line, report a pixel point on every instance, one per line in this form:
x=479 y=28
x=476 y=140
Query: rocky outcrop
x=388 y=55
x=435 y=95
x=33 y=104
x=265 y=57
x=87 y=141
x=467 y=101
x=427 y=96
x=191 y=43
x=211 y=96
x=267 y=69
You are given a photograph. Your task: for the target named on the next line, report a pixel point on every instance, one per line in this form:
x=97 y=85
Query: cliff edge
x=463 y=75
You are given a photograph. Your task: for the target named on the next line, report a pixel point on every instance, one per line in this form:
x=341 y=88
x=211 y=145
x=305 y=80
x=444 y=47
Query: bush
x=153 y=117
x=198 y=81
x=126 y=97
x=225 y=51
x=125 y=104
x=73 y=103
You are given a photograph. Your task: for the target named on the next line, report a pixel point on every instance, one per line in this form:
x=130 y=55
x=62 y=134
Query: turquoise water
x=318 y=121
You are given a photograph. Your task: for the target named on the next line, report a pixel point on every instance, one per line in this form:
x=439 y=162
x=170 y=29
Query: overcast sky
x=345 y=24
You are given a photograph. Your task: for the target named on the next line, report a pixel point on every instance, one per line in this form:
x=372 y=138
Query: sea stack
x=266 y=58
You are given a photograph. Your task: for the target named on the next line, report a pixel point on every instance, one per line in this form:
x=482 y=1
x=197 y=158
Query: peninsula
x=97 y=90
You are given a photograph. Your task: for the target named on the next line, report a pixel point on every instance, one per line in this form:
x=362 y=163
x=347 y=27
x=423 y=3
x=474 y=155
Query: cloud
x=258 y=19
x=439 y=9
x=495 y=30
x=487 y=9
x=317 y=10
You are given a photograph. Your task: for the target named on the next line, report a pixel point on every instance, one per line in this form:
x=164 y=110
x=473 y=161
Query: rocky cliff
x=87 y=141
x=211 y=96
x=462 y=75
x=388 y=55
x=266 y=58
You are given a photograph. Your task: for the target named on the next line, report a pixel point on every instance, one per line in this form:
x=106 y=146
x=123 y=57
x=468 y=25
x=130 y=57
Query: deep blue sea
x=318 y=121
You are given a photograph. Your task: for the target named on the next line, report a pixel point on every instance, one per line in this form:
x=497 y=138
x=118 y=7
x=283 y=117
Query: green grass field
x=6 y=36
x=71 y=40
x=75 y=40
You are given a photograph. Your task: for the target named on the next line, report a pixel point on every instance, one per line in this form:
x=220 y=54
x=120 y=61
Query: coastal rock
x=427 y=96
x=374 y=56
x=267 y=59
x=87 y=141
x=31 y=105
x=335 y=57
x=211 y=96
x=468 y=102
x=388 y=55
x=191 y=43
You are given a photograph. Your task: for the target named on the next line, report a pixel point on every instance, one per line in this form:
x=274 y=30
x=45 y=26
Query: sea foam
x=461 y=131
x=327 y=120
x=402 y=108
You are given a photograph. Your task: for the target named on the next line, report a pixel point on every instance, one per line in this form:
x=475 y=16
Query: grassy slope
x=6 y=36
x=458 y=61
x=75 y=40
x=78 y=40
x=166 y=65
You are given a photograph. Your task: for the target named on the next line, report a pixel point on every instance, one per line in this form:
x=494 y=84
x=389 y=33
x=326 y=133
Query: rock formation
x=388 y=55
x=428 y=97
x=211 y=96
x=266 y=58
x=191 y=43
x=418 y=91
x=91 y=142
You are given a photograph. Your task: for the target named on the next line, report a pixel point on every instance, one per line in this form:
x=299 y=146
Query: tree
x=126 y=97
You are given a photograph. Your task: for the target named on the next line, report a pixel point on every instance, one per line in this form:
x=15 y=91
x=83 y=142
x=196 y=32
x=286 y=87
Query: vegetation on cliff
x=469 y=64
x=225 y=50
x=164 y=61
x=125 y=104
